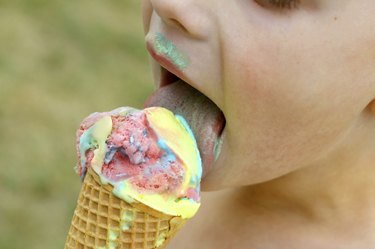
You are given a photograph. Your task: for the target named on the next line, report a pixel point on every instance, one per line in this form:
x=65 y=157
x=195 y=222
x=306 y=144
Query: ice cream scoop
x=148 y=156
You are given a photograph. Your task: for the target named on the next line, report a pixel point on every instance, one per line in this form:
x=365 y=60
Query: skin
x=297 y=89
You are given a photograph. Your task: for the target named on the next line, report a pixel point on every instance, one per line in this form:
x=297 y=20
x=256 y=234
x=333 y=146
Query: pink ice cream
x=148 y=155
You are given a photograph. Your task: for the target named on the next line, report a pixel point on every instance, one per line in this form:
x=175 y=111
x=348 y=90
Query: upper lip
x=169 y=72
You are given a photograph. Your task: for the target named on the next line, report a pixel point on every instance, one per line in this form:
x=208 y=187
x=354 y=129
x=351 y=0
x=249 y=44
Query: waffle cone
x=101 y=220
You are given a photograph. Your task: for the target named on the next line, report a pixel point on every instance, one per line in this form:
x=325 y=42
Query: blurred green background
x=60 y=60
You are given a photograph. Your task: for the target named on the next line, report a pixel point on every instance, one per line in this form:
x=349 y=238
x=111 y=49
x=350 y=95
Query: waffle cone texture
x=103 y=221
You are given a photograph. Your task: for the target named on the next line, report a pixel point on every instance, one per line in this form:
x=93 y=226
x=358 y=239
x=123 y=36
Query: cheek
x=280 y=121
x=289 y=104
x=277 y=136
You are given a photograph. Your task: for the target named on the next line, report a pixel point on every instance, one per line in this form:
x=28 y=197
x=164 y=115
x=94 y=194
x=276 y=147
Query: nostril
x=189 y=17
x=177 y=24
x=170 y=11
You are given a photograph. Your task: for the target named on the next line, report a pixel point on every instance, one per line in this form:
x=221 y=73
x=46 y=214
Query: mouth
x=169 y=72
x=205 y=118
x=166 y=77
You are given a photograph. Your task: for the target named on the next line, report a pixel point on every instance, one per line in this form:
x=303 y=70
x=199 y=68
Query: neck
x=337 y=189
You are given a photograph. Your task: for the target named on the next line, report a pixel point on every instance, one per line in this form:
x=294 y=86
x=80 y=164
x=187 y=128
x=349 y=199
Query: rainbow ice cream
x=141 y=173
x=141 y=169
x=148 y=156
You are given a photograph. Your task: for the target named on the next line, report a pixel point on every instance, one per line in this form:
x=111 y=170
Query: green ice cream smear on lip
x=166 y=48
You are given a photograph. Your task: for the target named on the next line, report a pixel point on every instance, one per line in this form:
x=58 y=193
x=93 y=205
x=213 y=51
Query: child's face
x=290 y=82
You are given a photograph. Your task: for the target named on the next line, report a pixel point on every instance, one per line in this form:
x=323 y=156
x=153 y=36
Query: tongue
x=204 y=117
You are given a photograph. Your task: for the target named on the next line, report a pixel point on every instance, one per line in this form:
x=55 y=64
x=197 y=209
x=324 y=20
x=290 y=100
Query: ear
x=372 y=107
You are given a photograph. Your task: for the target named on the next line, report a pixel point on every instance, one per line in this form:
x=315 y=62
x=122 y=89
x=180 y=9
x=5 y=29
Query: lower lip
x=217 y=147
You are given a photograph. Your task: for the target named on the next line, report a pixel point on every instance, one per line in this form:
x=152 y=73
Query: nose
x=189 y=16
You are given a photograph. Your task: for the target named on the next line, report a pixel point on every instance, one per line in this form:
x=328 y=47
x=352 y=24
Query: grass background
x=60 y=60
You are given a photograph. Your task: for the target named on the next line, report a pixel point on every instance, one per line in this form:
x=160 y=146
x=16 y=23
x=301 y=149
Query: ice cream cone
x=101 y=220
